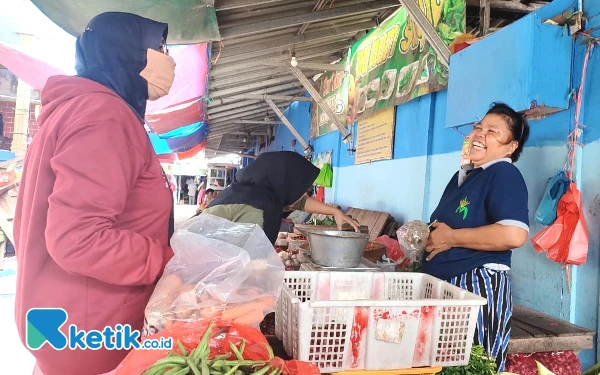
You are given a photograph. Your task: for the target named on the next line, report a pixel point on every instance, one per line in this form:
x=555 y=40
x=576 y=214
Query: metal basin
x=331 y=248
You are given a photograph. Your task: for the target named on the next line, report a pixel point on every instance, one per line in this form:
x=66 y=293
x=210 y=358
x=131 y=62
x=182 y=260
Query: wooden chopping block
x=375 y=220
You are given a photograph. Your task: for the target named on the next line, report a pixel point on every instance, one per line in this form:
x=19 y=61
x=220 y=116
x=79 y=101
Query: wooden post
x=484 y=17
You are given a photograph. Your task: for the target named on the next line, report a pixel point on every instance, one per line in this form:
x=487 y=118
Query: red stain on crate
x=380 y=314
x=423 y=347
x=359 y=326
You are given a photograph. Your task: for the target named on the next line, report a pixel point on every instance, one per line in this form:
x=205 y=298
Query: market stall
x=329 y=320
x=333 y=301
x=535 y=336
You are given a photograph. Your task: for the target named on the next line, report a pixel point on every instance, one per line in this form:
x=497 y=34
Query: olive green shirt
x=237 y=213
x=243 y=213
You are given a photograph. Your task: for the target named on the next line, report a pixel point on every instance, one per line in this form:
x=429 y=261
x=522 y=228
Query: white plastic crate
x=375 y=321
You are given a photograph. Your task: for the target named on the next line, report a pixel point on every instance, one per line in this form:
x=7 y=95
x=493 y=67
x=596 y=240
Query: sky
x=21 y=19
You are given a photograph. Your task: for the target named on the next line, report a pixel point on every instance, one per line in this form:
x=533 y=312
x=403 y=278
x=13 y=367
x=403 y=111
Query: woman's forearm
x=314 y=206
x=494 y=237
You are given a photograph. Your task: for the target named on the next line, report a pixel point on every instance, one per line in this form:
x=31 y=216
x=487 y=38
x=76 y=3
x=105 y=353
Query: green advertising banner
x=333 y=87
x=394 y=63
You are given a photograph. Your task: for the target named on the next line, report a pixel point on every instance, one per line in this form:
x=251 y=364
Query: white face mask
x=159 y=73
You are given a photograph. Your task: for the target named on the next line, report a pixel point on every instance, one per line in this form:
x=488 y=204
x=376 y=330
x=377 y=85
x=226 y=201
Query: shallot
x=559 y=363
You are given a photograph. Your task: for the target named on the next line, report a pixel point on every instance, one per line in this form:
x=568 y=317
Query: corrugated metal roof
x=255 y=31
x=314 y=31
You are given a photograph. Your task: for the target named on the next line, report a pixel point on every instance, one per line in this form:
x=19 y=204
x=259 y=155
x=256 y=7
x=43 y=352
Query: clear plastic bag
x=412 y=237
x=220 y=269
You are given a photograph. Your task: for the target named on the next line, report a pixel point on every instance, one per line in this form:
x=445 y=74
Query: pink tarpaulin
x=31 y=70
x=177 y=119
x=167 y=158
x=190 y=74
x=190 y=77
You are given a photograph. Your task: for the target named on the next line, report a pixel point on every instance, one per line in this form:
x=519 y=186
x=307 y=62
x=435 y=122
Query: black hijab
x=272 y=182
x=113 y=51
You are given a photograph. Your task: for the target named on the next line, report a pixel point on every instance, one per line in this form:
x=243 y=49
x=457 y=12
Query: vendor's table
x=534 y=332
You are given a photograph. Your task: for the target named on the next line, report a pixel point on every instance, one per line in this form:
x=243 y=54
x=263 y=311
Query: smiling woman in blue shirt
x=480 y=218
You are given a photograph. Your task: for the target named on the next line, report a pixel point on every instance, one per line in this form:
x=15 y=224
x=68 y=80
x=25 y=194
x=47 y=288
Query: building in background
x=8 y=97
x=27 y=30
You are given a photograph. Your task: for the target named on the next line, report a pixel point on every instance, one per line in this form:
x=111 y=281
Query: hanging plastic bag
x=223 y=334
x=220 y=269
x=565 y=241
x=556 y=187
x=325 y=177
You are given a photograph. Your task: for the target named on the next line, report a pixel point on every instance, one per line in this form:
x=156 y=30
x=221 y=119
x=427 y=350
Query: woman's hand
x=314 y=206
x=341 y=219
x=440 y=239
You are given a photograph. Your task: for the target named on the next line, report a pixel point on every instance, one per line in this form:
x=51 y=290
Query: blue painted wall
x=585 y=296
x=427 y=154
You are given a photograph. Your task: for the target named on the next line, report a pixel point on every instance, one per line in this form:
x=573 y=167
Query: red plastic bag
x=566 y=240
x=393 y=250
x=224 y=332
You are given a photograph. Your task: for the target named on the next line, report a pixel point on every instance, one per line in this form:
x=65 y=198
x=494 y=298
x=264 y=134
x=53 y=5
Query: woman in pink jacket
x=92 y=225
